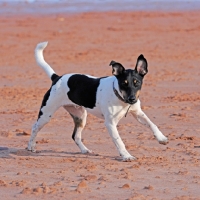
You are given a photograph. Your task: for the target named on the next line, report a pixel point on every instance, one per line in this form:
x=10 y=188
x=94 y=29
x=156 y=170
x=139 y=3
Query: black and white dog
x=109 y=98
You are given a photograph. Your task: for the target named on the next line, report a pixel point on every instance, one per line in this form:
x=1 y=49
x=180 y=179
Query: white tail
x=40 y=59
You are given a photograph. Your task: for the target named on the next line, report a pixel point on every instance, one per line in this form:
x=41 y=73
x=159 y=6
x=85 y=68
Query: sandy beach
x=86 y=43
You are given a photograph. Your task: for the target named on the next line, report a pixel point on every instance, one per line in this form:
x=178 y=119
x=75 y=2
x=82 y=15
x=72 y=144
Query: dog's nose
x=131 y=99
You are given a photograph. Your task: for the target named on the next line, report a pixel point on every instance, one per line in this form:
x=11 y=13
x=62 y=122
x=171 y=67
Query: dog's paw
x=164 y=142
x=31 y=149
x=161 y=138
x=129 y=158
x=87 y=151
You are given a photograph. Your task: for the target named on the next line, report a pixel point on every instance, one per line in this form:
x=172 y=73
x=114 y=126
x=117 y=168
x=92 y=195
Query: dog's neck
x=117 y=94
x=120 y=97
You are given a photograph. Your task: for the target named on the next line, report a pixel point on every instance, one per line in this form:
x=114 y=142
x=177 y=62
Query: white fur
x=108 y=107
x=40 y=59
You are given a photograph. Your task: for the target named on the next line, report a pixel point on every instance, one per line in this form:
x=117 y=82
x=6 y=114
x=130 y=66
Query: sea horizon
x=13 y=7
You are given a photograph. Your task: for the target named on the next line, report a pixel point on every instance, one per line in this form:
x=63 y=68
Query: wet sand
x=86 y=43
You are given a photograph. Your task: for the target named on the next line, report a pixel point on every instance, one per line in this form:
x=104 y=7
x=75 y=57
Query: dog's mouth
x=131 y=101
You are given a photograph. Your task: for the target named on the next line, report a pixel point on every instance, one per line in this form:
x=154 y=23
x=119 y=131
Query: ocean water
x=73 y=6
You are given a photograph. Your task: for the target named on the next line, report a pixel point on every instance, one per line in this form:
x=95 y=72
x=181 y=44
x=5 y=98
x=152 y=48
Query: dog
x=109 y=98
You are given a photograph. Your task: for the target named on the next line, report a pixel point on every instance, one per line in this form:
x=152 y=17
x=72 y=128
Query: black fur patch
x=44 y=101
x=54 y=76
x=55 y=79
x=83 y=90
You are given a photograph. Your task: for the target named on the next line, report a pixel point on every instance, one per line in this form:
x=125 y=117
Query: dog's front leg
x=143 y=119
x=112 y=129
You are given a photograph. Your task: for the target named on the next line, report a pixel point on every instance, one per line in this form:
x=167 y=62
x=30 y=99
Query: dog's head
x=130 y=81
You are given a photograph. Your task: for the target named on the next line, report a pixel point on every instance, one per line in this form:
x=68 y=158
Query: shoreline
x=79 y=7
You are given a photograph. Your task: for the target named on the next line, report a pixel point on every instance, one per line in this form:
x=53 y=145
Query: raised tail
x=42 y=63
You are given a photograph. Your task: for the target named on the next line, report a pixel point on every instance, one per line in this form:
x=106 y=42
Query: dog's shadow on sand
x=11 y=153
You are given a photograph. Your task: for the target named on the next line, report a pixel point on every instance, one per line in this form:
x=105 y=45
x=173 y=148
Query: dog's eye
x=136 y=83
x=125 y=82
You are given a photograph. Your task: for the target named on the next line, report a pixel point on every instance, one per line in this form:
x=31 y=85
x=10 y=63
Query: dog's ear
x=141 y=66
x=117 y=68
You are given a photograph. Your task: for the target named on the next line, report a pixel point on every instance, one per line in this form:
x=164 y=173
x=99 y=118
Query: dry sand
x=86 y=43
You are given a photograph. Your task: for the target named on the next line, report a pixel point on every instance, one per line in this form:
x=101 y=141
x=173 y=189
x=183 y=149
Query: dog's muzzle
x=131 y=99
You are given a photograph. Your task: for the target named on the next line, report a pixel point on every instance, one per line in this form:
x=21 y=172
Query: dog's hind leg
x=79 y=115
x=48 y=108
x=39 y=124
